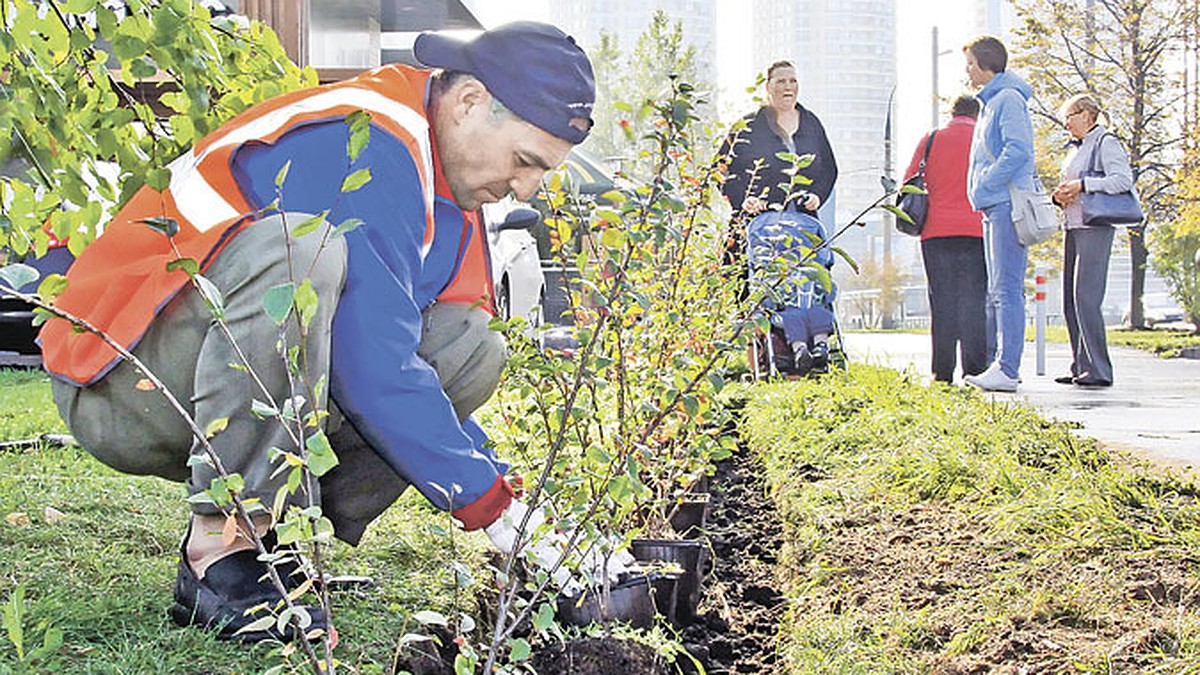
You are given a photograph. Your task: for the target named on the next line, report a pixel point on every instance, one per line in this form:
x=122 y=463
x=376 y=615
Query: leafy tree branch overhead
x=96 y=98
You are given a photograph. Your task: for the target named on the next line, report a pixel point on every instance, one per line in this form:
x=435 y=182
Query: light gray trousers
x=134 y=430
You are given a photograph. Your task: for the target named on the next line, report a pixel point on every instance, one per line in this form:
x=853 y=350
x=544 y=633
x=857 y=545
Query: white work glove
x=545 y=548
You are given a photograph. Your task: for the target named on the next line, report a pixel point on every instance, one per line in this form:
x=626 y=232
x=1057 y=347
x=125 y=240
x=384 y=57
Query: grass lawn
x=95 y=552
x=934 y=530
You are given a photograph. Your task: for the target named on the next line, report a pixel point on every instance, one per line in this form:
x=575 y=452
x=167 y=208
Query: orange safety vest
x=120 y=282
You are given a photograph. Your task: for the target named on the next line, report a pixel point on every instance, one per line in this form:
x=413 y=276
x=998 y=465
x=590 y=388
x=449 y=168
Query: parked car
x=17 y=332
x=1158 y=308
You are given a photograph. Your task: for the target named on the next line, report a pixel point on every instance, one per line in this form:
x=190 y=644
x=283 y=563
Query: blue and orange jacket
x=399 y=262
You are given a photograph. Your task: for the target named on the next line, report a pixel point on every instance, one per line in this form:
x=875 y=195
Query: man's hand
x=546 y=548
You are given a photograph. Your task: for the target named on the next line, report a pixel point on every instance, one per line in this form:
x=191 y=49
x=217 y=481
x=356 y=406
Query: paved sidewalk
x=1152 y=409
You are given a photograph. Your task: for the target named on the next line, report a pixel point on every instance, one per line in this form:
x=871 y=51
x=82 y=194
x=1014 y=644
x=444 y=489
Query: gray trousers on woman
x=1085 y=279
x=132 y=428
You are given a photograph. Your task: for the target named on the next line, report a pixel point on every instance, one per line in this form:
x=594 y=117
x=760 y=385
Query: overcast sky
x=914 y=21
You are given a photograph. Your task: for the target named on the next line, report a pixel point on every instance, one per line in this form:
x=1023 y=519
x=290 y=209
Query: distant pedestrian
x=1087 y=248
x=758 y=180
x=1001 y=158
x=952 y=246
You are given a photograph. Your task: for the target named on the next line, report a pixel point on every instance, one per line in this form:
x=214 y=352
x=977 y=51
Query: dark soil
x=598 y=656
x=735 y=631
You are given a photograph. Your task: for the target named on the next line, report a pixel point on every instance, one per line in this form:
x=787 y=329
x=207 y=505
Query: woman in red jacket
x=952 y=247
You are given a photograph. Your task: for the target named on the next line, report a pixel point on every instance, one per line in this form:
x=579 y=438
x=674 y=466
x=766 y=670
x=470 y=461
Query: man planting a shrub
x=398 y=333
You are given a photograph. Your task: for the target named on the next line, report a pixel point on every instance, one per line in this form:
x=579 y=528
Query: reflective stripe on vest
x=120 y=281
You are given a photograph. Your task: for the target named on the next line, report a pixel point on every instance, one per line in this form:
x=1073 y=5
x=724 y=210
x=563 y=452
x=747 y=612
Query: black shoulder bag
x=915 y=204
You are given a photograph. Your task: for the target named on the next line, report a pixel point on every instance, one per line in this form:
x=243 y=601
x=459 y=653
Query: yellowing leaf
x=229 y=532
x=144 y=384
x=18 y=519
x=53 y=516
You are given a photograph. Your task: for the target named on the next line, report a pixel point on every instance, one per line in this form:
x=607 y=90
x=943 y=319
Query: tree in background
x=97 y=97
x=1123 y=52
x=1177 y=248
x=626 y=84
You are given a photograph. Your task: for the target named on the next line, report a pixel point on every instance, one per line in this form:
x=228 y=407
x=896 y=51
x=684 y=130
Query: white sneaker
x=993 y=379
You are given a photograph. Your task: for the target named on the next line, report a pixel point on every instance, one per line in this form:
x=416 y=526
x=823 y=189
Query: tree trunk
x=1137 y=276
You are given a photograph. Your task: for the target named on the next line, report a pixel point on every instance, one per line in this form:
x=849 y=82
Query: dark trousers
x=1085 y=277
x=956 y=273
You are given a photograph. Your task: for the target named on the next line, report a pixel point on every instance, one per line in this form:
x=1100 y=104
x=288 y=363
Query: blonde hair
x=1084 y=102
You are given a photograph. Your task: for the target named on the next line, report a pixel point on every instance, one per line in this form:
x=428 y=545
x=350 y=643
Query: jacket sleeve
x=1016 y=142
x=824 y=181
x=1114 y=162
x=392 y=396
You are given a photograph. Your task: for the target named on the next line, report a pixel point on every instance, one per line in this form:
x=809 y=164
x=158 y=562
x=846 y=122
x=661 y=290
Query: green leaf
x=356 y=180
x=18 y=275
x=520 y=649
x=187 y=265
x=348 y=225
x=359 y=122
x=14 y=620
x=309 y=225
x=212 y=296
x=277 y=302
x=283 y=172
x=126 y=47
x=262 y=410
x=167 y=226
x=306 y=302
x=544 y=618
x=216 y=426
x=321 y=457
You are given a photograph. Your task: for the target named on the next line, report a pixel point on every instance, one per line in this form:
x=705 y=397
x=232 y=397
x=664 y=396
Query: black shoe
x=820 y=356
x=231 y=586
x=1065 y=379
x=1090 y=383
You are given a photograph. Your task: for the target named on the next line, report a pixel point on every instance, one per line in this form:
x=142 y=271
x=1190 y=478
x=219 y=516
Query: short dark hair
x=965 y=105
x=777 y=65
x=989 y=53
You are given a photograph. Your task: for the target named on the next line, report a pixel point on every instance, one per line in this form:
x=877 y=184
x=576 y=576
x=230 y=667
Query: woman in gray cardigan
x=1087 y=248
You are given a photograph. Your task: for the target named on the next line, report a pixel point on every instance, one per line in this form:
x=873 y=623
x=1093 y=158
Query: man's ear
x=469 y=97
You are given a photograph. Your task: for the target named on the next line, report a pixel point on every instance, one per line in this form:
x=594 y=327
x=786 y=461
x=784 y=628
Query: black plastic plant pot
x=690 y=514
x=630 y=601
x=687 y=555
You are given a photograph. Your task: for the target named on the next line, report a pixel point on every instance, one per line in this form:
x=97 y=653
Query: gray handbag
x=1104 y=208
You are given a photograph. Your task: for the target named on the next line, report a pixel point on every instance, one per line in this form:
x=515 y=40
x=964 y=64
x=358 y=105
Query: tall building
x=845 y=56
x=628 y=19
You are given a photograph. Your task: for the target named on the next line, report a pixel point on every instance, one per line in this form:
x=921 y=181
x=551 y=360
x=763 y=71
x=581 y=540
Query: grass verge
x=934 y=530
x=96 y=550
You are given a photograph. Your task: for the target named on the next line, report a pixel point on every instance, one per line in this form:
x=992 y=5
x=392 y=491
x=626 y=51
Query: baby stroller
x=788 y=267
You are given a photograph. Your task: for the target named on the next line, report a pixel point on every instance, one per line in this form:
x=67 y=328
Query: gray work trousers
x=133 y=429
x=1086 y=252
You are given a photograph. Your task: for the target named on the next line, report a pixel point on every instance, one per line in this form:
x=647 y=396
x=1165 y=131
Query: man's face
x=486 y=156
x=782 y=88
x=978 y=76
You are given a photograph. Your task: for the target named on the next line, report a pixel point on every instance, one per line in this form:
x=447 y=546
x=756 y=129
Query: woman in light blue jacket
x=1087 y=248
x=1001 y=156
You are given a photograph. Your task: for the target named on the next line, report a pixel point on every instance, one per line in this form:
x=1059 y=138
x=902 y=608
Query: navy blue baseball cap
x=534 y=69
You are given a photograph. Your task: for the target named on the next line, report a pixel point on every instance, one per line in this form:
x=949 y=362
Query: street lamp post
x=889 y=218
x=934 y=55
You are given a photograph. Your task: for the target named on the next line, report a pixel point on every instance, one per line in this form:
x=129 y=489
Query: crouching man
x=400 y=330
